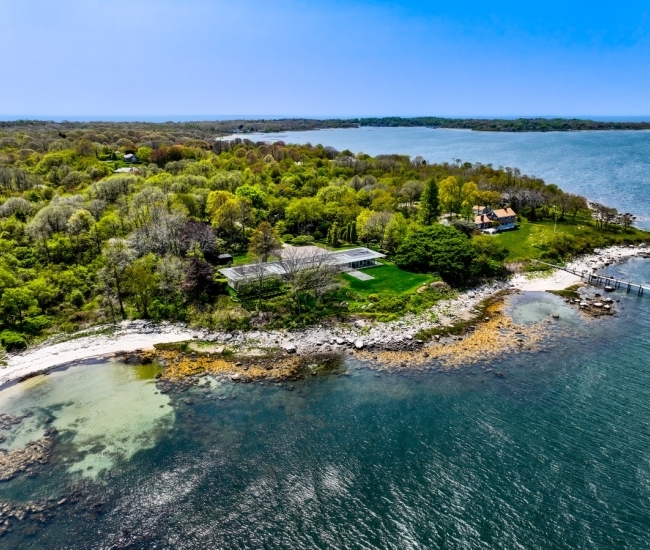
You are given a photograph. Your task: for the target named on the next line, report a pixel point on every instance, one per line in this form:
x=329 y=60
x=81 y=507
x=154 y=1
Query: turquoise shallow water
x=556 y=454
x=608 y=167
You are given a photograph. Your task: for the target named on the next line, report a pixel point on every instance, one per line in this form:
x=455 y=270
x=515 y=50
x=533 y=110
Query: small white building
x=130 y=157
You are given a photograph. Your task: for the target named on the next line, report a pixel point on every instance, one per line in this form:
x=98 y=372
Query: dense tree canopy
x=86 y=237
x=438 y=248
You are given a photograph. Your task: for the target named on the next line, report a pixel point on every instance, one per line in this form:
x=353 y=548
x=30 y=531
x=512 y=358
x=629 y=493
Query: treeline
x=211 y=129
x=81 y=244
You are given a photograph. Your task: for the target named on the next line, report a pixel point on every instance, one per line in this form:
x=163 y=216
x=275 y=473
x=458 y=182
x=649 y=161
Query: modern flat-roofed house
x=343 y=260
x=506 y=218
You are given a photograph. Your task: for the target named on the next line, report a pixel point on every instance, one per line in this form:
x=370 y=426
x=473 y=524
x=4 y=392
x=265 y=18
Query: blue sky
x=157 y=58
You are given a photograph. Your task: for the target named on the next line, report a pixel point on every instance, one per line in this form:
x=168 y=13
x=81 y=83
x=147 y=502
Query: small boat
x=609 y=289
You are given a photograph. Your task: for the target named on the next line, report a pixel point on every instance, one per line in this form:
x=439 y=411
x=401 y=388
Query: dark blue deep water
x=556 y=454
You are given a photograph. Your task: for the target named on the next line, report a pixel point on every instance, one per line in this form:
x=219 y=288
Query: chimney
x=482 y=217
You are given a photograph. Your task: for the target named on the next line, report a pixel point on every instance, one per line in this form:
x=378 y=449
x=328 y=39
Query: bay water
x=610 y=167
x=553 y=454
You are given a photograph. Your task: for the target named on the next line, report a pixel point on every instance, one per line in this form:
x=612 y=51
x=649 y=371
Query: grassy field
x=524 y=243
x=388 y=279
x=241 y=259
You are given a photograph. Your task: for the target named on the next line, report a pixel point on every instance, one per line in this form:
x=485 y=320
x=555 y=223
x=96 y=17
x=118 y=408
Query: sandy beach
x=131 y=336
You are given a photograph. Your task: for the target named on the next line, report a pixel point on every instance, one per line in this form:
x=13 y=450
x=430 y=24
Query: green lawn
x=522 y=242
x=388 y=279
x=241 y=259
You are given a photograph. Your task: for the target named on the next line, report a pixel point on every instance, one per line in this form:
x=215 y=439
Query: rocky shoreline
x=401 y=336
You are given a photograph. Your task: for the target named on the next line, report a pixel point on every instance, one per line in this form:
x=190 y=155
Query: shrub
x=303 y=240
x=35 y=325
x=12 y=340
x=77 y=298
x=390 y=304
x=221 y=285
x=257 y=289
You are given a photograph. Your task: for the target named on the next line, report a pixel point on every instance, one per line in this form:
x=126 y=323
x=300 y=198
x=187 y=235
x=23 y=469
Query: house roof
x=504 y=213
x=483 y=218
x=269 y=269
x=355 y=255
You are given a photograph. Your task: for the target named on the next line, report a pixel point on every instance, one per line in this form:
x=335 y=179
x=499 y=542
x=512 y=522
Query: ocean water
x=556 y=454
x=608 y=167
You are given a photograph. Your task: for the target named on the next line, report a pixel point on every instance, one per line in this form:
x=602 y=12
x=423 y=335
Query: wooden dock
x=607 y=281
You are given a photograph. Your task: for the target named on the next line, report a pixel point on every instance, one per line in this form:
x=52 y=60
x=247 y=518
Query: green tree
x=117 y=257
x=255 y=195
x=438 y=248
x=333 y=235
x=264 y=242
x=470 y=194
x=305 y=212
x=17 y=301
x=141 y=280
x=44 y=292
x=429 y=203
x=450 y=191
x=395 y=232
x=144 y=154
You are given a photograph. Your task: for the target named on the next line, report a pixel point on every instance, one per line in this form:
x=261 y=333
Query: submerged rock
x=20 y=460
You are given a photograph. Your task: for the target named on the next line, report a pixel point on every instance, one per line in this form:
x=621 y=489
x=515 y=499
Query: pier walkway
x=607 y=281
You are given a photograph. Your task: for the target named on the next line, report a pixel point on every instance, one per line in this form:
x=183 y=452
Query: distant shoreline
x=274 y=125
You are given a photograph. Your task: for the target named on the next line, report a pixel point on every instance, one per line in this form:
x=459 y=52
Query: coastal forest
x=104 y=222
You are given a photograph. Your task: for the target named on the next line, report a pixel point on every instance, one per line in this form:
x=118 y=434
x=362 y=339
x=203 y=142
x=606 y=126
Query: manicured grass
x=523 y=243
x=240 y=259
x=388 y=279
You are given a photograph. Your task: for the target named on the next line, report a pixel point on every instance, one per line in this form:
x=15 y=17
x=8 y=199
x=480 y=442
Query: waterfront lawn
x=388 y=279
x=526 y=243
x=391 y=293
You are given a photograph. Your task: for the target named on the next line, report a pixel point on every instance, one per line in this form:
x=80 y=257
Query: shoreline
x=395 y=336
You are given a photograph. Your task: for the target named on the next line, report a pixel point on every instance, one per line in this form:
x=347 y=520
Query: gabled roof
x=504 y=212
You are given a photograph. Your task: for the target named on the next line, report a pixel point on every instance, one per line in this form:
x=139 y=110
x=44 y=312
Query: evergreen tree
x=333 y=235
x=429 y=203
x=353 y=232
